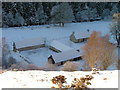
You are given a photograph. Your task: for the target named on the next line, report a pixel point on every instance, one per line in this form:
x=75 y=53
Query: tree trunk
x=61 y=24
x=118 y=42
x=14 y=47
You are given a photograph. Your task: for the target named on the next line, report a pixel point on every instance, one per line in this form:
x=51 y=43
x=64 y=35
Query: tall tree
x=87 y=14
x=99 y=52
x=91 y=51
x=8 y=19
x=105 y=14
x=19 y=19
x=109 y=57
x=40 y=15
x=114 y=9
x=115 y=28
x=31 y=13
x=62 y=13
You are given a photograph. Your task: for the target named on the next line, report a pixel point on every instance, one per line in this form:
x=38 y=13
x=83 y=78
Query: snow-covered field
x=61 y=34
x=42 y=79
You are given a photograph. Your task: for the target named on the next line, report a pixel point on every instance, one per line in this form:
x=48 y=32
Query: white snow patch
x=61 y=34
x=80 y=35
x=42 y=79
x=66 y=55
x=60 y=46
x=30 y=42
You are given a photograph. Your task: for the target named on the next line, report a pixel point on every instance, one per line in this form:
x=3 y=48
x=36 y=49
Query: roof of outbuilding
x=80 y=35
x=30 y=42
x=60 y=46
x=66 y=55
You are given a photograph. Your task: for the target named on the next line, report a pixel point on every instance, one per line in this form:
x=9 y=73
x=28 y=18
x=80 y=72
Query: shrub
x=82 y=82
x=33 y=67
x=51 y=67
x=59 y=80
x=15 y=67
x=79 y=84
x=99 y=52
x=22 y=65
x=19 y=66
x=92 y=50
x=108 y=53
x=118 y=64
x=71 y=66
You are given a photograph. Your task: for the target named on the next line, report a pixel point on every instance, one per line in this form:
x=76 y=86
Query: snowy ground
x=39 y=56
x=42 y=79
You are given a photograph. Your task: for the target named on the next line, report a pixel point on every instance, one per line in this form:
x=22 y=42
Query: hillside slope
x=42 y=79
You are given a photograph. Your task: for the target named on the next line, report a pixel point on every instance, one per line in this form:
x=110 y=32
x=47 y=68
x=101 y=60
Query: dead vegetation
x=59 y=80
x=51 y=67
x=80 y=84
x=99 y=52
x=118 y=64
x=71 y=66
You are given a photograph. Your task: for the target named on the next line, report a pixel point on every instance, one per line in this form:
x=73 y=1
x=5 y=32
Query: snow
x=38 y=56
x=0 y=47
x=60 y=46
x=66 y=55
x=62 y=34
x=30 y=42
x=53 y=32
x=80 y=35
x=42 y=79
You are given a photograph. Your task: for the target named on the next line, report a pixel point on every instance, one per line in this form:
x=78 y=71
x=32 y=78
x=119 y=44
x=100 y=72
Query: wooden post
x=88 y=30
x=14 y=47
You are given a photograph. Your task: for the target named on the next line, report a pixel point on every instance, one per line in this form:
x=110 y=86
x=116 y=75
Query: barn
x=78 y=37
x=62 y=57
x=59 y=47
x=29 y=44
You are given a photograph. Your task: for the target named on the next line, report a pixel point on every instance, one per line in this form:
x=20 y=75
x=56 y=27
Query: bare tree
x=91 y=50
x=108 y=53
x=5 y=53
x=99 y=52
x=115 y=28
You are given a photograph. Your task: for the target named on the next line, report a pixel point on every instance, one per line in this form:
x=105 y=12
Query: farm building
x=78 y=37
x=59 y=47
x=29 y=44
x=61 y=58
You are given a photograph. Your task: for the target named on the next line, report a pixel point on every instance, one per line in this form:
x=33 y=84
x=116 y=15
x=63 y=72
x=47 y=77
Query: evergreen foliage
x=34 y=13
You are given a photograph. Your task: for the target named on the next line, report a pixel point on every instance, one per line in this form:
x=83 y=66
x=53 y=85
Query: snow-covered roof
x=84 y=34
x=30 y=42
x=60 y=46
x=66 y=55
